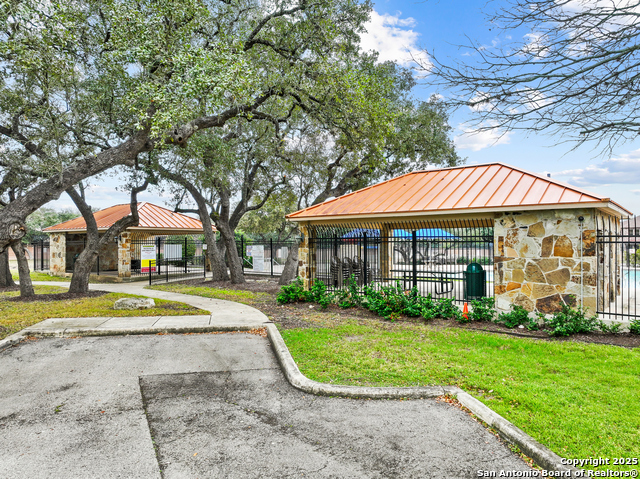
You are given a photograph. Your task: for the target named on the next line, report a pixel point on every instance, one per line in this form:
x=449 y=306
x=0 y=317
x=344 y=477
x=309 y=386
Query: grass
x=15 y=316
x=239 y=296
x=39 y=276
x=581 y=400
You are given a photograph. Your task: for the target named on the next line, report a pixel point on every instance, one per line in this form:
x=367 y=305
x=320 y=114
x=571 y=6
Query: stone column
x=304 y=259
x=124 y=255
x=545 y=259
x=58 y=254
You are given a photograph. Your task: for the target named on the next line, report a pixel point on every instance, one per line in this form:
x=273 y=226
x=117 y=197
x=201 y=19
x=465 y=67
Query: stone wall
x=304 y=259
x=124 y=255
x=57 y=254
x=539 y=263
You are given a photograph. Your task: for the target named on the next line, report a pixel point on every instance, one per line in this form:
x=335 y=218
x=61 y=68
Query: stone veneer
x=57 y=254
x=304 y=259
x=124 y=255
x=538 y=263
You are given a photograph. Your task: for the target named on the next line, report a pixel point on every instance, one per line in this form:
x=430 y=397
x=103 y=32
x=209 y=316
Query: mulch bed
x=294 y=316
x=56 y=297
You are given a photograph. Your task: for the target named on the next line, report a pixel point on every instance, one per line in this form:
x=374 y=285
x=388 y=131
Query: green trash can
x=475 y=282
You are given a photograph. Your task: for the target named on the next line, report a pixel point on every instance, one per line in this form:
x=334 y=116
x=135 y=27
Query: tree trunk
x=290 y=271
x=235 y=263
x=6 y=280
x=12 y=220
x=82 y=270
x=84 y=263
x=26 y=287
x=216 y=259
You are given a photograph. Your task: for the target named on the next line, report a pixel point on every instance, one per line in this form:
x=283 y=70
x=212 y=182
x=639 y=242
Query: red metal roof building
x=536 y=238
x=471 y=190
x=152 y=218
x=67 y=239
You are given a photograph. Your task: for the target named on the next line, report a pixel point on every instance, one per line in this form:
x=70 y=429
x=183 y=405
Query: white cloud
x=478 y=140
x=393 y=37
x=636 y=192
x=622 y=170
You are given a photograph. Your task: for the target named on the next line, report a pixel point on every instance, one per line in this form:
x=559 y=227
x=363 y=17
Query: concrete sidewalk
x=225 y=316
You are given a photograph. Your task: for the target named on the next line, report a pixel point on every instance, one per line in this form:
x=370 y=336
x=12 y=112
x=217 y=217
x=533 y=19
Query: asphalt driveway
x=213 y=405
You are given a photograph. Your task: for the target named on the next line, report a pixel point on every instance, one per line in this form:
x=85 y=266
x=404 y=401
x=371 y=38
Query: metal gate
x=618 y=268
x=431 y=257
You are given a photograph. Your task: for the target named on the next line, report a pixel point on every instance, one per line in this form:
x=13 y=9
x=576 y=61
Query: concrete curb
x=541 y=455
x=66 y=332
x=11 y=340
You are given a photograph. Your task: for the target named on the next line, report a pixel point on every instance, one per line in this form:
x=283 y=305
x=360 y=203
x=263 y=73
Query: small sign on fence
x=147 y=258
x=257 y=253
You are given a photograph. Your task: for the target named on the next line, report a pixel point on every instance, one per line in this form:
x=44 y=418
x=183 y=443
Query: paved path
x=214 y=406
x=209 y=406
x=225 y=315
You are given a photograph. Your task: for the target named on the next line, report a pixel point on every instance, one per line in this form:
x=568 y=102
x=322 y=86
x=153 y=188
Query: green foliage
x=634 y=326
x=482 y=310
x=43 y=218
x=518 y=316
x=318 y=294
x=292 y=293
x=612 y=328
x=571 y=321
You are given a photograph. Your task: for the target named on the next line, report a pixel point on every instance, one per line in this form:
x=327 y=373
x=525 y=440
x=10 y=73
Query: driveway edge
x=542 y=455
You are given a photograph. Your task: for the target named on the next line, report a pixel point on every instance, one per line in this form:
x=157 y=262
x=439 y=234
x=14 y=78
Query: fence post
x=41 y=255
x=414 y=247
x=335 y=244
x=271 y=254
x=186 y=239
x=35 y=255
x=149 y=270
x=242 y=251
x=364 y=262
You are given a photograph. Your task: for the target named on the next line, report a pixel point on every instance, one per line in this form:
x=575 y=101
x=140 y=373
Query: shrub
x=318 y=294
x=612 y=328
x=482 y=310
x=634 y=326
x=292 y=293
x=571 y=321
x=518 y=316
x=350 y=297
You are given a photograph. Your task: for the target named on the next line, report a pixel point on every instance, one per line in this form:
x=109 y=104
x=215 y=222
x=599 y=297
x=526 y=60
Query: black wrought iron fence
x=264 y=257
x=40 y=255
x=618 y=268
x=163 y=259
x=432 y=257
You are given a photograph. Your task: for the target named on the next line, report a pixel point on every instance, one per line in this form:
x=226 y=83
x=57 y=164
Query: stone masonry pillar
x=58 y=254
x=304 y=258
x=545 y=259
x=124 y=255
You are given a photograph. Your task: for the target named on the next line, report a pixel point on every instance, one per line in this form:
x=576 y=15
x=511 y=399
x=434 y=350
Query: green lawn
x=239 y=296
x=39 y=276
x=15 y=316
x=581 y=400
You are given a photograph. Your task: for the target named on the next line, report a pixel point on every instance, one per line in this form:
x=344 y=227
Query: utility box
x=475 y=281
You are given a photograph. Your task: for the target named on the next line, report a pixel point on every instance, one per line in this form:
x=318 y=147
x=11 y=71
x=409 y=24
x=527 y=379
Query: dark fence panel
x=264 y=257
x=163 y=259
x=40 y=255
x=431 y=257
x=618 y=268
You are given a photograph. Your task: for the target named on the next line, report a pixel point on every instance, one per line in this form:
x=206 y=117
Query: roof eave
x=607 y=206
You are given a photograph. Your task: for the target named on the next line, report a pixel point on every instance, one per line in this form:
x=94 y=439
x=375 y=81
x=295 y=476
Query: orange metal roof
x=478 y=188
x=151 y=217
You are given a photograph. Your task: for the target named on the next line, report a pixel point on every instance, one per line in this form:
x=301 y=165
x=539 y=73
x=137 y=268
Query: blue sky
x=399 y=29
